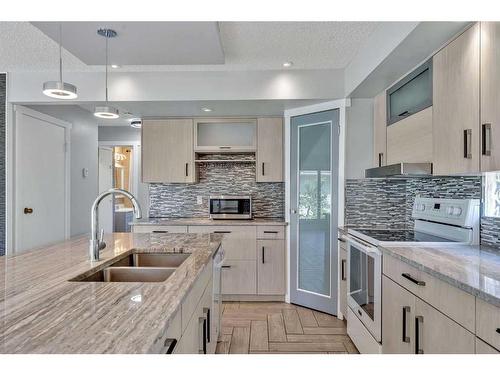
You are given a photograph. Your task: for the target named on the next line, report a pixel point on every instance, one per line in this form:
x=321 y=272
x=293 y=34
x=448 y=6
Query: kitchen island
x=41 y=311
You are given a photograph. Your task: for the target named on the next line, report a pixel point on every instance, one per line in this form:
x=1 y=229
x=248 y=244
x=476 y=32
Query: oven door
x=364 y=284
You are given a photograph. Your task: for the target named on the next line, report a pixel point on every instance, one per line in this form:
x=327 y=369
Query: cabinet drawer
x=272 y=232
x=488 y=323
x=193 y=297
x=239 y=277
x=483 y=348
x=458 y=305
x=238 y=243
x=160 y=229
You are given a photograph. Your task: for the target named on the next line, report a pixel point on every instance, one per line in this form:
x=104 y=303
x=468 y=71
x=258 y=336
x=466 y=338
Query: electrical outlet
x=199 y=199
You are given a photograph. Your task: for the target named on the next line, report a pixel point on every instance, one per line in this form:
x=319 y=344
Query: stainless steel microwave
x=230 y=207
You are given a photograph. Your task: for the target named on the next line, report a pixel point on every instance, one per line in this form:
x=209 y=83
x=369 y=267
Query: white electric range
x=436 y=221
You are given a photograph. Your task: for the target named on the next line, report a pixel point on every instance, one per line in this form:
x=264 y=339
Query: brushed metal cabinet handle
x=225 y=147
x=170 y=345
x=159 y=231
x=271 y=231
x=226 y=267
x=187 y=169
x=380 y=158
x=263 y=169
x=419 y=321
x=263 y=255
x=343 y=264
x=486 y=139
x=222 y=231
x=406 y=311
x=468 y=143
x=412 y=279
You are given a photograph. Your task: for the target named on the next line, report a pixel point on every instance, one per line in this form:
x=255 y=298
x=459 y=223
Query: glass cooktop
x=401 y=236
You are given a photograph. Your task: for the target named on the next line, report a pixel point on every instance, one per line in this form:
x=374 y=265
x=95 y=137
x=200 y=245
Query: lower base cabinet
x=343 y=281
x=484 y=348
x=410 y=325
x=239 y=277
x=270 y=267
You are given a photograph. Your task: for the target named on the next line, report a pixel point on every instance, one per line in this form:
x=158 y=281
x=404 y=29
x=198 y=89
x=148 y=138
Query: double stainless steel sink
x=137 y=267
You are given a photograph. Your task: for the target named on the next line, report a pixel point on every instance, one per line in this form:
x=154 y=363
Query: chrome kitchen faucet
x=96 y=240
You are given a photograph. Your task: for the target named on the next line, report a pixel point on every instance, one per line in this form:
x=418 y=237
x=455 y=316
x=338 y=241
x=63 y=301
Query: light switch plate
x=199 y=199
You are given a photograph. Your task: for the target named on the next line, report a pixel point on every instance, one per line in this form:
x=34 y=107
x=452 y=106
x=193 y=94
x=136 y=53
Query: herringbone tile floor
x=278 y=327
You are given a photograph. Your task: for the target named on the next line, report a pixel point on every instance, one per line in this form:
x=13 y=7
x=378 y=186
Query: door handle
x=486 y=139
x=28 y=210
x=343 y=263
x=406 y=311
x=419 y=320
x=468 y=143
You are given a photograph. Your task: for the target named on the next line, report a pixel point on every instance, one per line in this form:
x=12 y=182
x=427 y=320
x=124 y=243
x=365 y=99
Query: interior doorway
x=116 y=170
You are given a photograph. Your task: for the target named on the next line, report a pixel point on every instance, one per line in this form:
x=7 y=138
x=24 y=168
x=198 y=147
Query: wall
x=83 y=155
x=3 y=95
x=389 y=202
x=180 y=200
x=359 y=138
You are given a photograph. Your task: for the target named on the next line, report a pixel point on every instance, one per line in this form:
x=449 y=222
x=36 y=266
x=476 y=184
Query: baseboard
x=252 y=298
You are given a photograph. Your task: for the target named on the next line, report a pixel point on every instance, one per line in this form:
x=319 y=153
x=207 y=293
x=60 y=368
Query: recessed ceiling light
x=287 y=64
x=136 y=123
x=205 y=109
x=115 y=66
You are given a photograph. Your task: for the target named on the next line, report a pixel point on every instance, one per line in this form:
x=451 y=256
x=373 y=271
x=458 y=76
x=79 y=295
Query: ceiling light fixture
x=60 y=89
x=136 y=123
x=287 y=64
x=106 y=111
x=205 y=109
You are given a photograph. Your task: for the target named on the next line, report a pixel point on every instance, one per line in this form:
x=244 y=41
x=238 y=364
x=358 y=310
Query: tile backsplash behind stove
x=234 y=178
x=389 y=202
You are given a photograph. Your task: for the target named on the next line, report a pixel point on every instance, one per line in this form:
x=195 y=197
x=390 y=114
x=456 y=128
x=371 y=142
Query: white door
x=40 y=169
x=106 y=183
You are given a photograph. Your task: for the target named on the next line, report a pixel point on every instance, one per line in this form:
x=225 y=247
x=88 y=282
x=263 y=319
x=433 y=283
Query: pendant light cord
x=60 y=54
x=107 y=37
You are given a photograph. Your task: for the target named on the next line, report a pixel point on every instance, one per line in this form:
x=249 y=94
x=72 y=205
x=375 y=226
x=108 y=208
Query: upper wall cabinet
x=411 y=94
x=456 y=105
x=379 y=130
x=490 y=96
x=167 y=151
x=269 y=166
x=225 y=135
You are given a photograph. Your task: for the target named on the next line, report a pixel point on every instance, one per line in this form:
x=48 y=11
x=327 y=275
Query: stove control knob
x=420 y=207
x=457 y=211
x=449 y=211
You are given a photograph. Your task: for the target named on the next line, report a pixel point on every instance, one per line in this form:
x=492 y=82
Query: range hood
x=400 y=170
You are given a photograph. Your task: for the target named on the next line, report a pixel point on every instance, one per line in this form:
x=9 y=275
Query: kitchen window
x=492 y=195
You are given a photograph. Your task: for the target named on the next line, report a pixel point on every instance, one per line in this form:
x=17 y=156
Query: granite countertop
x=207 y=221
x=474 y=269
x=42 y=312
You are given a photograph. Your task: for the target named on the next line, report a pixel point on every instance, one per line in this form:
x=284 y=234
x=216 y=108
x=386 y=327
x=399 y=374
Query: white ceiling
x=246 y=46
x=220 y=108
x=140 y=43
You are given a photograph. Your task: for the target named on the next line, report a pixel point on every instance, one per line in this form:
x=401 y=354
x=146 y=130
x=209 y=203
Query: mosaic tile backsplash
x=389 y=202
x=180 y=200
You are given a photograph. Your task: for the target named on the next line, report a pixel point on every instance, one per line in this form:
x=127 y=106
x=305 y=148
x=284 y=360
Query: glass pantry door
x=314 y=211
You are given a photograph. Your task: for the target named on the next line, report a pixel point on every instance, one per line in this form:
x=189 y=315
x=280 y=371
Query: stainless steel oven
x=230 y=207
x=364 y=284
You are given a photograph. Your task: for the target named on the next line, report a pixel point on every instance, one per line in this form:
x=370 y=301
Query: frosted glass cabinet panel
x=226 y=135
x=411 y=94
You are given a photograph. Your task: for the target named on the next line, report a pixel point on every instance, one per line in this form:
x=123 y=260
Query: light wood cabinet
x=380 y=130
x=483 y=348
x=488 y=323
x=490 y=96
x=159 y=228
x=435 y=333
x=343 y=280
x=456 y=105
x=271 y=267
x=213 y=135
x=398 y=318
x=167 y=151
x=239 y=277
x=238 y=242
x=269 y=167
x=410 y=140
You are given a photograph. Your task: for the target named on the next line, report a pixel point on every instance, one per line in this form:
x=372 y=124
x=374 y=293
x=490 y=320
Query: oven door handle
x=364 y=247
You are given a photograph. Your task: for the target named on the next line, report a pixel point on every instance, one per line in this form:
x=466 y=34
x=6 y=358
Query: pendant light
x=106 y=111
x=60 y=89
